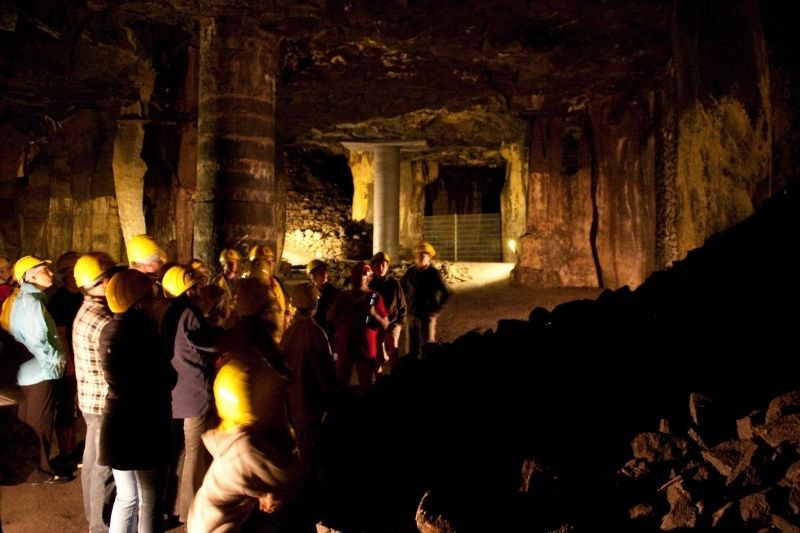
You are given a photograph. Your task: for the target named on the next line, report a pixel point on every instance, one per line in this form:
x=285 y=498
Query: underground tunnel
x=636 y=160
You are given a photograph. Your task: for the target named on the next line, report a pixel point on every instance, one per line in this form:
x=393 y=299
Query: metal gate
x=474 y=237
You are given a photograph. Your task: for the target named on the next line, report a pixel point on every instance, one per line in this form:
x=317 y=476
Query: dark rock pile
x=717 y=472
x=567 y=391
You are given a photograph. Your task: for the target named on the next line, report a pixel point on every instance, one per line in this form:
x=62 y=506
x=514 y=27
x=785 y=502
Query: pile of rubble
x=717 y=472
x=315 y=223
x=570 y=387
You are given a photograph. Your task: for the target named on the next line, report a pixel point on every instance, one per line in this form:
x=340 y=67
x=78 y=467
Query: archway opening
x=462 y=213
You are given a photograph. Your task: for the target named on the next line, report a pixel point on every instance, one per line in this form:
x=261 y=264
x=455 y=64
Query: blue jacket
x=33 y=326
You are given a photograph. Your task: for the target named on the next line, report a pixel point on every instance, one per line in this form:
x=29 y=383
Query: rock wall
x=623 y=147
x=645 y=178
x=555 y=250
x=723 y=125
x=68 y=200
x=317 y=205
x=12 y=144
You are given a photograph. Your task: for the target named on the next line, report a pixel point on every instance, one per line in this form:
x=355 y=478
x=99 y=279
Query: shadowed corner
x=19 y=445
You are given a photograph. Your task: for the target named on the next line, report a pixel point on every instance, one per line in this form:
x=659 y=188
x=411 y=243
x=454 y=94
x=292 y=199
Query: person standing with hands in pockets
x=426 y=294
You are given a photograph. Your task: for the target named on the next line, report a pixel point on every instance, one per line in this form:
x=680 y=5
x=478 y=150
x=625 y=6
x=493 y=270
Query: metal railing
x=475 y=237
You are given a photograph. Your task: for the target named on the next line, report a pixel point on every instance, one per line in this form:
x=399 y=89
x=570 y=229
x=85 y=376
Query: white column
x=386 y=200
x=386 y=192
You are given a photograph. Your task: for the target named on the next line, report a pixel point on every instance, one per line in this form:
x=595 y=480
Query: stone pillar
x=386 y=192
x=361 y=167
x=386 y=210
x=514 y=198
x=129 y=170
x=236 y=183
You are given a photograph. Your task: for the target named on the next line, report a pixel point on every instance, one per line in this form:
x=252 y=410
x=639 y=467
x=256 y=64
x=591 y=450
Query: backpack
x=5 y=315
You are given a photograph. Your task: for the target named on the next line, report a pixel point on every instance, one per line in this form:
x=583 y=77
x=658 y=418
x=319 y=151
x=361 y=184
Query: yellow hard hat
x=126 y=288
x=261 y=269
x=229 y=254
x=177 y=280
x=26 y=263
x=425 y=248
x=248 y=392
x=142 y=249
x=380 y=257
x=261 y=251
x=315 y=264
x=305 y=296
x=91 y=268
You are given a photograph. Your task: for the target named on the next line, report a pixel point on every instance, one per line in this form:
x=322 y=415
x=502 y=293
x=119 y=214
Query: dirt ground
x=481 y=297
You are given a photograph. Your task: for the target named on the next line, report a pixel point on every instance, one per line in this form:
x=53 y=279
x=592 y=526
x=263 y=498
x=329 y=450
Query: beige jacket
x=248 y=464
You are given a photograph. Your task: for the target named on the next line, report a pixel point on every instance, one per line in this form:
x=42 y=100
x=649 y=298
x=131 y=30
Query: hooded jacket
x=248 y=464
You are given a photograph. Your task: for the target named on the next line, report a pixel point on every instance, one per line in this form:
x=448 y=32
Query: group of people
x=204 y=398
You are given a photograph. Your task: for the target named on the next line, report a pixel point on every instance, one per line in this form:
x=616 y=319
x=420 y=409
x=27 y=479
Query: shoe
x=52 y=480
x=57 y=480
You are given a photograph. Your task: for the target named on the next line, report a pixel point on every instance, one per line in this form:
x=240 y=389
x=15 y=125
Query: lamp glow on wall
x=513 y=246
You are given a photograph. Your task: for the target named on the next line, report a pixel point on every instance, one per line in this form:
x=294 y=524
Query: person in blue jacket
x=32 y=326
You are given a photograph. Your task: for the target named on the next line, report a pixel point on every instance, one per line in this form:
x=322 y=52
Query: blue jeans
x=97 y=483
x=140 y=501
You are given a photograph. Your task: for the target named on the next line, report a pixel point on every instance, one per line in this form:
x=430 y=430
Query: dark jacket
x=393 y=297
x=190 y=341
x=326 y=298
x=425 y=290
x=135 y=432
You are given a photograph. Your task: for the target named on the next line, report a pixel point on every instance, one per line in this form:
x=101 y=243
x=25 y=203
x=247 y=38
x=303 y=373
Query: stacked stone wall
x=315 y=223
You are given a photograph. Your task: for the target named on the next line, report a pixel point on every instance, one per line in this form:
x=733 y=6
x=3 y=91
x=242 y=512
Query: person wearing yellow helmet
x=261 y=251
x=317 y=271
x=308 y=354
x=255 y=464
x=201 y=271
x=145 y=255
x=426 y=295
x=93 y=271
x=33 y=326
x=231 y=263
x=395 y=301
x=191 y=345
x=254 y=329
x=262 y=265
x=135 y=428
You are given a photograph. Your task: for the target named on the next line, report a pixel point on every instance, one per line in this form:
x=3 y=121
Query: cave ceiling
x=461 y=75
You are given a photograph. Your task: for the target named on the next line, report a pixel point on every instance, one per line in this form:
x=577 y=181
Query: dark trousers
x=421 y=331
x=97 y=482
x=37 y=409
x=190 y=463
